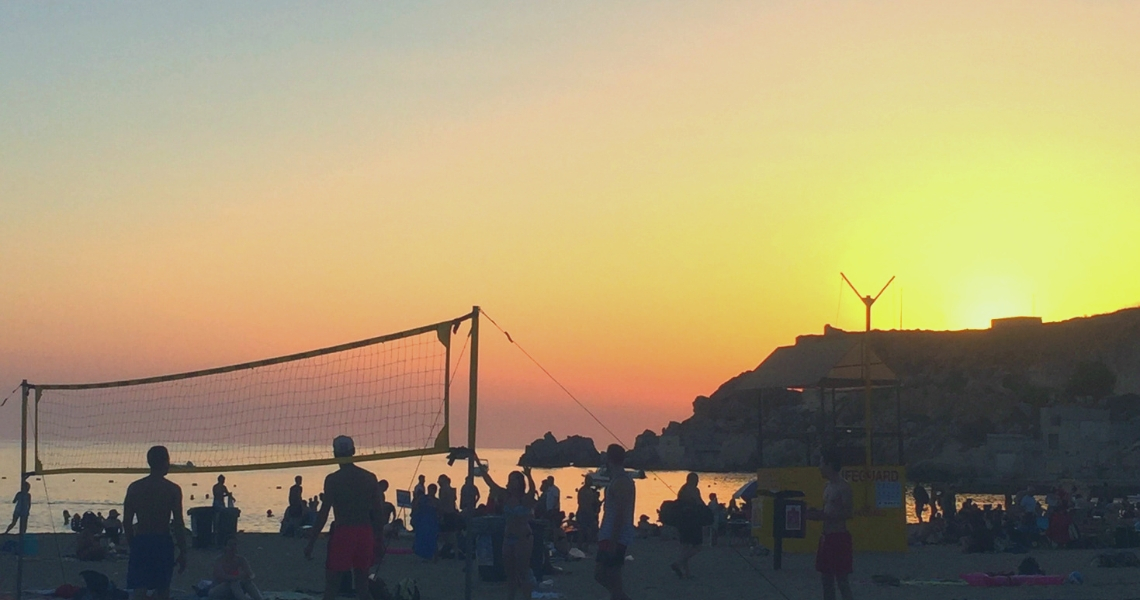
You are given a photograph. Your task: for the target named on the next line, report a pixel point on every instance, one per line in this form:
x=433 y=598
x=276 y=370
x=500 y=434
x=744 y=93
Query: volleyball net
x=390 y=393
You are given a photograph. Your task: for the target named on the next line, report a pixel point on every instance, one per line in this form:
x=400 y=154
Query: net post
x=23 y=478
x=36 y=432
x=472 y=402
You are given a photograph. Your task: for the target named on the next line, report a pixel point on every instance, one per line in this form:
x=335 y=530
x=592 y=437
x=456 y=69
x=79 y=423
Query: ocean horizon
x=256 y=492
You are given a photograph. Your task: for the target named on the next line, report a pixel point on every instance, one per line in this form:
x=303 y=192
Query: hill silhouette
x=966 y=396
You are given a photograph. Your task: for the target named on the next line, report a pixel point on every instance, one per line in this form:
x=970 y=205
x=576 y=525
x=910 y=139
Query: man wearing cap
x=352 y=493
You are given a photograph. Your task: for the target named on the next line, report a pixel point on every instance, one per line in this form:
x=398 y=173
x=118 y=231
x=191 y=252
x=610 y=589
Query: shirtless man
x=617 y=529
x=352 y=493
x=156 y=503
x=834 y=557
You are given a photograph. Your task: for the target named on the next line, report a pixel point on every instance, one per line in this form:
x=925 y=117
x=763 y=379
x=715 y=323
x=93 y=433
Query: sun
x=990 y=297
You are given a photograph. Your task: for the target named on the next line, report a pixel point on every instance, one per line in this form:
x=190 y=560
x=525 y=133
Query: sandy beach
x=720 y=573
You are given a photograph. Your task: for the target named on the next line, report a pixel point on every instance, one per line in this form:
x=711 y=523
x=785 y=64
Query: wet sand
x=720 y=573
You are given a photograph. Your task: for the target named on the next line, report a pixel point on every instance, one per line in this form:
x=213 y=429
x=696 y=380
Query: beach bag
x=407 y=590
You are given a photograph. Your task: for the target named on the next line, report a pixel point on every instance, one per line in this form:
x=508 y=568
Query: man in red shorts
x=353 y=495
x=833 y=559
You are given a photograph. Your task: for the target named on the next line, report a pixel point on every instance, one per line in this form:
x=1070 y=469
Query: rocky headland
x=1022 y=402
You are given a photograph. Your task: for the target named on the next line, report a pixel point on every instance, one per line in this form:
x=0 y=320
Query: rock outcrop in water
x=1022 y=402
x=548 y=453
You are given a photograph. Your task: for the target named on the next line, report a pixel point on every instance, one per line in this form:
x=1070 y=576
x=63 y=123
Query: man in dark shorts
x=352 y=493
x=617 y=529
x=833 y=559
x=156 y=503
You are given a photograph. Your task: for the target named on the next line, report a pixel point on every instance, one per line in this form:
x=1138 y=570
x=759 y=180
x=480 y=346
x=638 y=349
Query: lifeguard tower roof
x=818 y=363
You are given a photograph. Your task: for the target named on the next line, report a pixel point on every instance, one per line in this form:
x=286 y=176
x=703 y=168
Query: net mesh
x=388 y=393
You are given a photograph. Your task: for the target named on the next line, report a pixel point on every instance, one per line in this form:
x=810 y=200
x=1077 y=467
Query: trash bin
x=202 y=525
x=225 y=525
x=488 y=532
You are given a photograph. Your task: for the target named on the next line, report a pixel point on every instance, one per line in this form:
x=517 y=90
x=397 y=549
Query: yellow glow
x=652 y=198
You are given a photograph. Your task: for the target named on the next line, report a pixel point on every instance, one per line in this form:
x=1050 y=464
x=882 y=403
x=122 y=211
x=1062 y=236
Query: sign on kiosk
x=879 y=522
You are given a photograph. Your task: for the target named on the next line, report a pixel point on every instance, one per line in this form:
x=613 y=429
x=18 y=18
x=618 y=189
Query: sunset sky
x=650 y=196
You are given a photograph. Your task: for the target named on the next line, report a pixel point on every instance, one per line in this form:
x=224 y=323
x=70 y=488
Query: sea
x=263 y=495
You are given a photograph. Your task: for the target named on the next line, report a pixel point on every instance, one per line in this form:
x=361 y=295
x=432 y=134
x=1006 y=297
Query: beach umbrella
x=746 y=491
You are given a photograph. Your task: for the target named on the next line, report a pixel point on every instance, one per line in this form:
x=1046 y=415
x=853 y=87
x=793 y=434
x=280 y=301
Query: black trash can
x=202 y=526
x=488 y=533
x=225 y=525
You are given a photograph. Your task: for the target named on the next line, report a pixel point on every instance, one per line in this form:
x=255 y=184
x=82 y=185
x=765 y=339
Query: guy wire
x=619 y=440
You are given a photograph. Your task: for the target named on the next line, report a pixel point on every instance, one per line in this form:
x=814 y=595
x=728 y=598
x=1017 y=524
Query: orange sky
x=649 y=197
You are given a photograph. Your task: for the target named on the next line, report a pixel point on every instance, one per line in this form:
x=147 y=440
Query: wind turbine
x=868 y=301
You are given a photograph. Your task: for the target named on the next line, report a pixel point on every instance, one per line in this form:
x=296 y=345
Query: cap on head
x=343 y=446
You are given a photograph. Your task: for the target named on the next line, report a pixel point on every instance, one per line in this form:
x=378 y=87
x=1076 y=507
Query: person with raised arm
x=517 y=503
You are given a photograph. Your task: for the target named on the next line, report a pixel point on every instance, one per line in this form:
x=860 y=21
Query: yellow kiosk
x=838 y=368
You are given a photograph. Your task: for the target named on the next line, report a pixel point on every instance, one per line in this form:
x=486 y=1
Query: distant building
x=1076 y=440
x=1015 y=323
x=1014 y=455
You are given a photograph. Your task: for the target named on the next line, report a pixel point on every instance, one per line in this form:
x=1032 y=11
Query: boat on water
x=600 y=477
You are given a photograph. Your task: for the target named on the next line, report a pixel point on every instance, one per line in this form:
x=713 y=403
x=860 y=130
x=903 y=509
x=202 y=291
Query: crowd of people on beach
x=1068 y=518
x=445 y=524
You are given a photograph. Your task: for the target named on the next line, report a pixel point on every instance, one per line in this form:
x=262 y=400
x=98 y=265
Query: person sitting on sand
x=233 y=579
x=833 y=559
x=112 y=527
x=644 y=527
x=87 y=546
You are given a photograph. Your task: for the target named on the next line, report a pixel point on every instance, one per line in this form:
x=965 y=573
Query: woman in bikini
x=517 y=502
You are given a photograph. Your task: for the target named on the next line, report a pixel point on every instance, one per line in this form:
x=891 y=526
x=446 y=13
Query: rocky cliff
x=972 y=406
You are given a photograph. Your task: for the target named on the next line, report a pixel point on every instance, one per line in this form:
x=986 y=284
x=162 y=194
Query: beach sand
x=720 y=573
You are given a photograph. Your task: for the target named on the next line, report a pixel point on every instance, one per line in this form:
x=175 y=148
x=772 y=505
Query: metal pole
x=898 y=421
x=867 y=416
x=760 y=431
x=23 y=478
x=472 y=405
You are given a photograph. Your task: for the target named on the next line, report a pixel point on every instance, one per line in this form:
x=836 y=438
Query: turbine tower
x=868 y=301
